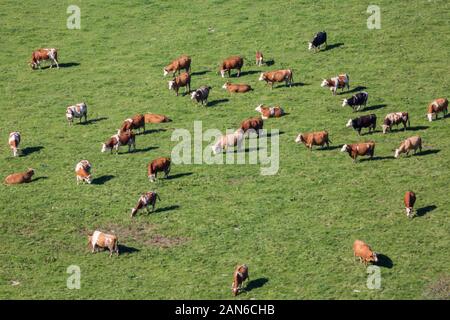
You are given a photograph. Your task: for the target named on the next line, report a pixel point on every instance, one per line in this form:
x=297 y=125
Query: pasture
x=294 y=229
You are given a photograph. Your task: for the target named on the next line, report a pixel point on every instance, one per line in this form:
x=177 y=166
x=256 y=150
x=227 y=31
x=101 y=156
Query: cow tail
x=56 y=55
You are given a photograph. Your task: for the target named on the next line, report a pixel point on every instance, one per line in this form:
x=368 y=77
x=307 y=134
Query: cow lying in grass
x=236 y=88
x=155 y=118
x=20 y=177
x=269 y=112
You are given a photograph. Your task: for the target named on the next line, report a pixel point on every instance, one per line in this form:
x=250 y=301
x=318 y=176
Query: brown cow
x=158 y=165
x=311 y=139
x=359 y=149
x=269 y=112
x=137 y=122
x=409 y=200
x=234 y=62
x=438 y=105
x=155 y=118
x=120 y=139
x=14 y=141
x=183 y=80
x=339 y=82
x=277 y=76
x=259 y=58
x=255 y=123
x=21 y=177
x=103 y=240
x=233 y=87
x=40 y=55
x=183 y=62
x=145 y=200
x=395 y=118
x=239 y=276
x=83 y=171
x=412 y=143
x=363 y=251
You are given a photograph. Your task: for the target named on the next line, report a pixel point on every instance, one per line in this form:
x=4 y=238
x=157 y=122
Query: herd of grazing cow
x=126 y=137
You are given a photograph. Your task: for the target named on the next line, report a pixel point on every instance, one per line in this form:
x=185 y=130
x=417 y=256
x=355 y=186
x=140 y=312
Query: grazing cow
x=438 y=105
x=356 y=101
x=409 y=199
x=135 y=123
x=319 y=39
x=259 y=58
x=412 y=143
x=255 y=123
x=239 y=276
x=14 y=141
x=339 y=82
x=83 y=171
x=145 y=200
x=230 y=63
x=229 y=140
x=21 y=177
x=183 y=62
x=395 y=118
x=269 y=112
x=76 y=111
x=367 y=121
x=183 y=80
x=233 y=87
x=363 y=251
x=359 y=149
x=42 y=55
x=201 y=95
x=120 y=139
x=155 y=118
x=311 y=139
x=158 y=165
x=277 y=76
x=103 y=240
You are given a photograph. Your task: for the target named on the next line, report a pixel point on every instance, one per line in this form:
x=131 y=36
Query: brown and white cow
x=183 y=62
x=395 y=118
x=269 y=112
x=42 y=54
x=103 y=240
x=120 y=139
x=436 y=106
x=78 y=110
x=359 y=149
x=158 y=165
x=411 y=143
x=255 y=124
x=183 y=80
x=230 y=63
x=236 y=88
x=277 y=76
x=20 y=177
x=259 y=58
x=363 y=251
x=229 y=140
x=239 y=276
x=310 y=139
x=339 y=82
x=409 y=200
x=155 y=118
x=83 y=171
x=135 y=123
x=145 y=200
x=14 y=141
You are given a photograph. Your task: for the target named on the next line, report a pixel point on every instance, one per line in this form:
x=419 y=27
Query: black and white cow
x=356 y=101
x=76 y=111
x=367 y=121
x=319 y=39
x=201 y=94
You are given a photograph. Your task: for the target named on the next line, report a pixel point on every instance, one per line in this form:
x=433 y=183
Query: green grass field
x=294 y=229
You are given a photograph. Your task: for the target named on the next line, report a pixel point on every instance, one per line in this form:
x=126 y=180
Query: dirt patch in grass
x=439 y=289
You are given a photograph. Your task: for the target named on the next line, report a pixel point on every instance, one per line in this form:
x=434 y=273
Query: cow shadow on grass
x=415 y=128
x=29 y=150
x=330 y=148
x=296 y=84
x=102 y=179
x=255 y=284
x=334 y=45
x=374 y=107
x=376 y=158
x=142 y=150
x=179 y=175
x=63 y=65
x=149 y=131
x=427 y=152
x=216 y=102
x=424 y=210
x=39 y=178
x=199 y=73
x=355 y=89
x=90 y=121
x=165 y=209
x=126 y=249
x=269 y=62
x=249 y=72
x=271 y=134
x=384 y=261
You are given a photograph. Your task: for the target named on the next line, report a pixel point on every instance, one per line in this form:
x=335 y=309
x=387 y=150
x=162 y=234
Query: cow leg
x=239 y=73
x=166 y=173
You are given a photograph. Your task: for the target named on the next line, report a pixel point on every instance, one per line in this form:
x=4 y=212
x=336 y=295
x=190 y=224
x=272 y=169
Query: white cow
x=76 y=111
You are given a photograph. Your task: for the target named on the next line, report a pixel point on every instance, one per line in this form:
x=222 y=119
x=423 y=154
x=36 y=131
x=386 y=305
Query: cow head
x=193 y=95
x=216 y=148
x=222 y=72
x=105 y=148
x=397 y=153
x=324 y=83
x=259 y=108
x=69 y=114
x=349 y=123
x=30 y=172
x=234 y=288
x=152 y=177
x=225 y=86
x=133 y=212
x=409 y=212
x=262 y=77
x=385 y=128
x=299 y=138
x=345 y=102
x=310 y=46
x=171 y=84
x=344 y=148
x=373 y=257
x=430 y=117
x=165 y=72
